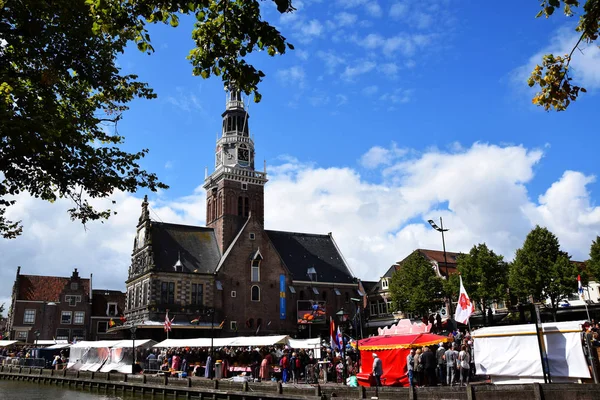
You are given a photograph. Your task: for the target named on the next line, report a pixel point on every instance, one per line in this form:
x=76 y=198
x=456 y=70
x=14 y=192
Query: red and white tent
x=392 y=350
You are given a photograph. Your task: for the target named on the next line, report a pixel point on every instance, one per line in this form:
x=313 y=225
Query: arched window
x=255 y=293
x=255 y=270
x=208 y=210
x=246 y=206
x=240 y=206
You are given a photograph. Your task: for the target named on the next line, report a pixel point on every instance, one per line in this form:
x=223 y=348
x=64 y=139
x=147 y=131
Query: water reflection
x=11 y=390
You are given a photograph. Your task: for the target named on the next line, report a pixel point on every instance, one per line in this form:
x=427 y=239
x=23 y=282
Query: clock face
x=243 y=155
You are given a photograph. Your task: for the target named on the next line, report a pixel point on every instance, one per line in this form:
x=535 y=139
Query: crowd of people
x=263 y=364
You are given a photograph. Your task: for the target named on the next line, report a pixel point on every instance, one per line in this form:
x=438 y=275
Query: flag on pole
x=464 y=308
x=168 y=322
x=332 y=335
x=340 y=340
x=579 y=287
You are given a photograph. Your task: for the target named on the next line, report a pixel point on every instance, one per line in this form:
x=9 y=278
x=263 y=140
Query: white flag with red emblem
x=464 y=308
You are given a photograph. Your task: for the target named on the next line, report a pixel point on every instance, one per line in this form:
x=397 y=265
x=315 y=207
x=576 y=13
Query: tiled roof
x=195 y=246
x=46 y=288
x=370 y=286
x=300 y=251
x=390 y=271
x=438 y=256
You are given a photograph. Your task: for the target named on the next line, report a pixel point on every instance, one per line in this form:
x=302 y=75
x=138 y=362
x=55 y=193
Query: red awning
x=401 y=341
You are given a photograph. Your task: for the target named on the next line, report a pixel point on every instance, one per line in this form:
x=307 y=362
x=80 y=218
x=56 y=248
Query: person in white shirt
x=464 y=359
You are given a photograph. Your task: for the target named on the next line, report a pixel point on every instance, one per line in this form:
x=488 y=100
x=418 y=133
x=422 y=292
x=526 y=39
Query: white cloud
x=372 y=40
x=375 y=224
x=483 y=185
x=398 y=10
x=345 y=19
x=341 y=99
x=378 y=156
x=185 y=100
x=311 y=30
x=585 y=65
x=389 y=69
x=370 y=90
x=361 y=67
x=301 y=54
x=374 y=9
x=293 y=76
x=398 y=96
x=331 y=60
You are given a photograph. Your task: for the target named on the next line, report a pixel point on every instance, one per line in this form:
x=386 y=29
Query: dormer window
x=74 y=285
x=385 y=283
x=312 y=274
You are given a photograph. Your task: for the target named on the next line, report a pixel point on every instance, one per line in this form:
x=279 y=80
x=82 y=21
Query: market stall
x=511 y=354
x=392 y=350
x=88 y=355
x=121 y=355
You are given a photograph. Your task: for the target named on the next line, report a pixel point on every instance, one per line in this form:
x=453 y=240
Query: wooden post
x=318 y=390
x=245 y=386
x=362 y=392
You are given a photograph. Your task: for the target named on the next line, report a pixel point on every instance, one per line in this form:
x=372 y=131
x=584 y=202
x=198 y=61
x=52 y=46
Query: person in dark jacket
x=429 y=364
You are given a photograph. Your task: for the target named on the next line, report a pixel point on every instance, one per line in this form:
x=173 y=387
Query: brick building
x=106 y=305
x=254 y=280
x=49 y=307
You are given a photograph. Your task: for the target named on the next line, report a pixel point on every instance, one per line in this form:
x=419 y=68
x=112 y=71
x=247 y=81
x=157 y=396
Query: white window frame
x=26 y=320
x=252 y=236
x=77 y=337
x=74 y=286
x=233 y=293
x=384 y=283
x=251 y=292
x=245 y=185
x=77 y=314
x=21 y=335
x=70 y=317
x=388 y=306
x=255 y=269
x=59 y=337
x=381 y=307
x=108 y=305
x=233 y=325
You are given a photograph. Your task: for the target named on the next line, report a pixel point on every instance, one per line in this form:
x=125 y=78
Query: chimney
x=75 y=274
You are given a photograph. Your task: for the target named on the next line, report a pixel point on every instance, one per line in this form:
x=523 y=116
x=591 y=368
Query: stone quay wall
x=204 y=389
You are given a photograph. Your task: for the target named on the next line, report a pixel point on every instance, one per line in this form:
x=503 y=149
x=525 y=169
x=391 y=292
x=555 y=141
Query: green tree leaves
x=415 y=287
x=62 y=93
x=484 y=274
x=552 y=76
x=541 y=270
x=593 y=264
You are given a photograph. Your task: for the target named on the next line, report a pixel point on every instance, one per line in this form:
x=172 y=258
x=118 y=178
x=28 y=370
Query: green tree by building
x=541 y=271
x=415 y=287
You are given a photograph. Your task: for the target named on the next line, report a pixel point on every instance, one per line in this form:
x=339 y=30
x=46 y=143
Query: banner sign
x=282 y=304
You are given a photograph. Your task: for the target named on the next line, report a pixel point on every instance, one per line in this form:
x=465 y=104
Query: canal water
x=14 y=390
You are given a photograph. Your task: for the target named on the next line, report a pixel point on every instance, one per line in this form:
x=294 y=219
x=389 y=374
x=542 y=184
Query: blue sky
x=388 y=113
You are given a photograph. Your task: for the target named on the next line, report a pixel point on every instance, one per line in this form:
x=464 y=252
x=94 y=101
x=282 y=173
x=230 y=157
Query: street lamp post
x=442 y=230
x=343 y=318
x=133 y=328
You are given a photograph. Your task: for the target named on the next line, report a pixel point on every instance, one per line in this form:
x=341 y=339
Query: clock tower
x=235 y=190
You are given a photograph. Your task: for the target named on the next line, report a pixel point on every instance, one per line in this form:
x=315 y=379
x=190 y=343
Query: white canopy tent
x=6 y=343
x=58 y=346
x=88 y=355
x=510 y=354
x=238 y=341
x=314 y=343
x=195 y=342
x=50 y=342
x=121 y=355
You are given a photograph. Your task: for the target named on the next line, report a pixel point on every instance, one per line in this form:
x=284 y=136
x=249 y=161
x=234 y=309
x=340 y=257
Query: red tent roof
x=401 y=341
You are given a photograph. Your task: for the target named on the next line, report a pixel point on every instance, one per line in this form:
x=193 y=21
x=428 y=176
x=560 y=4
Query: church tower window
x=240 y=207
x=246 y=206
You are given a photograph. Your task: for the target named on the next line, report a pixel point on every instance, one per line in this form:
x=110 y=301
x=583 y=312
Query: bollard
x=279 y=388
x=189 y=382
x=124 y=377
x=144 y=379
x=216 y=384
x=165 y=380
x=411 y=393
x=245 y=386
x=470 y=392
x=537 y=391
x=318 y=390
x=77 y=374
x=108 y=376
